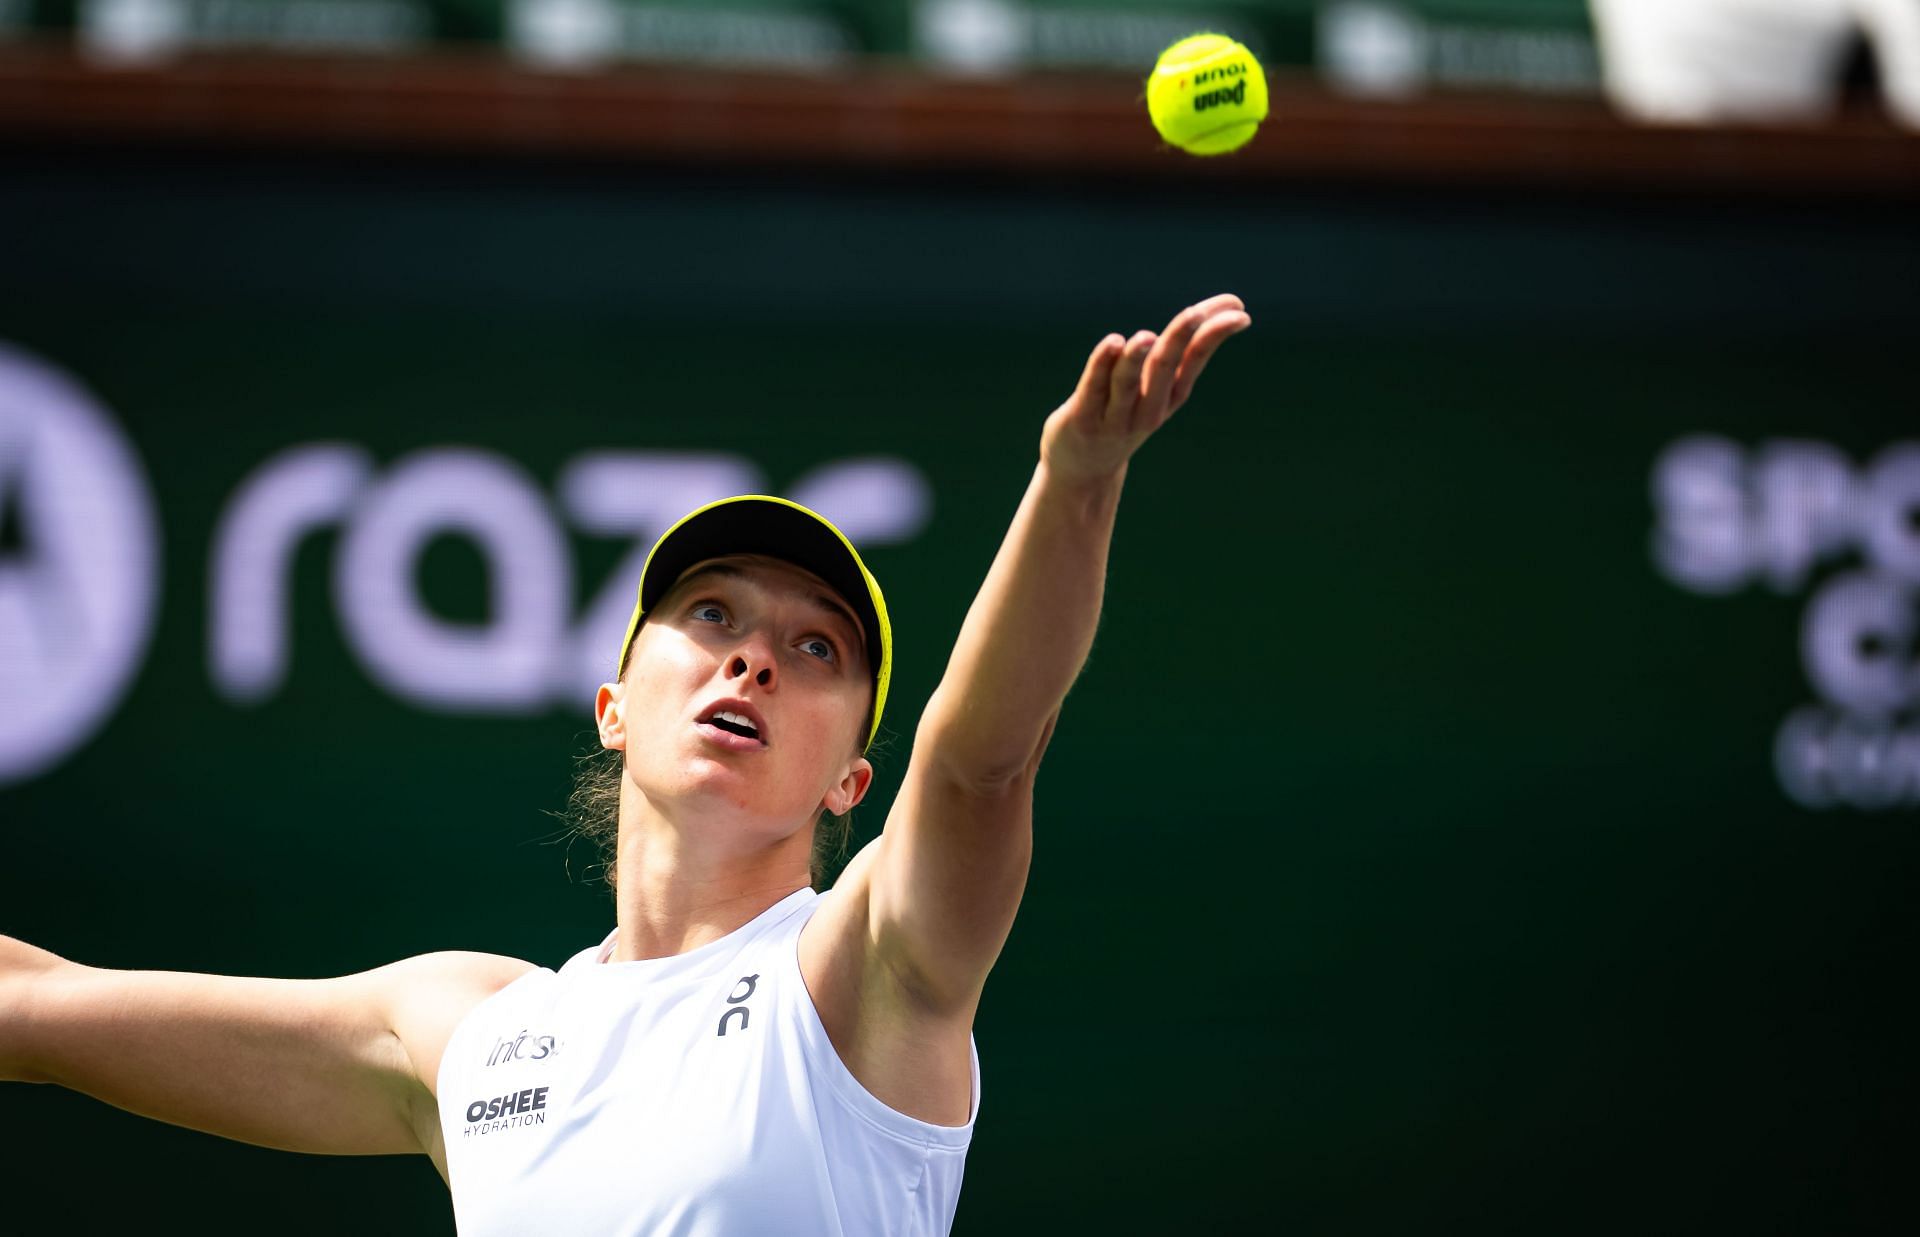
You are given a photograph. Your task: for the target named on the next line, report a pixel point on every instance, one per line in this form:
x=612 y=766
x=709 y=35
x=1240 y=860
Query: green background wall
x=1410 y=857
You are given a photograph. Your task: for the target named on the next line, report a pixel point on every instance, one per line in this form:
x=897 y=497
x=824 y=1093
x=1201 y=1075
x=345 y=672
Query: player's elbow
x=19 y=1060
x=987 y=767
x=986 y=782
x=25 y=973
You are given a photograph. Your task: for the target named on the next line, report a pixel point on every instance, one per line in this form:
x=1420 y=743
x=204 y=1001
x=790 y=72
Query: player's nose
x=753 y=661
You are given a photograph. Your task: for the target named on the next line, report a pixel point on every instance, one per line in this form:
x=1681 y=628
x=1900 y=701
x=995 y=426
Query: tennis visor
x=777 y=528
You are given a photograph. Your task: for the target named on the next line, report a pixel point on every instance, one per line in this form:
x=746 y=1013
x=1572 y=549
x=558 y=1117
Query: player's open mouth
x=733 y=724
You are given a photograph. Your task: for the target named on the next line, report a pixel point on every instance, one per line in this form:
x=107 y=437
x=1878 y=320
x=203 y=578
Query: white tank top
x=696 y=1095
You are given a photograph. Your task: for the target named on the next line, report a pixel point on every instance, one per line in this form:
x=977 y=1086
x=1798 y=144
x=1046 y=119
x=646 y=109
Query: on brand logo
x=735 y=999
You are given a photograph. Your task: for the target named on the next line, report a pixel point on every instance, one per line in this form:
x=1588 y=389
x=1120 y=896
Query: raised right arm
x=334 y=1066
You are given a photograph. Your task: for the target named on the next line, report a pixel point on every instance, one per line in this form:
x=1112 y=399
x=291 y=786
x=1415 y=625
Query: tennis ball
x=1207 y=94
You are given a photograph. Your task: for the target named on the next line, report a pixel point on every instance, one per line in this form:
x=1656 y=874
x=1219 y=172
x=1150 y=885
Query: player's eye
x=819 y=648
x=703 y=609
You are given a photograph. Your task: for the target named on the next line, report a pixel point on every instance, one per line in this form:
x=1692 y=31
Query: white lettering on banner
x=525 y=657
x=501 y=665
x=301 y=489
x=1728 y=516
x=79 y=565
x=637 y=495
x=1857 y=643
x=1827 y=759
x=874 y=500
x=1892 y=514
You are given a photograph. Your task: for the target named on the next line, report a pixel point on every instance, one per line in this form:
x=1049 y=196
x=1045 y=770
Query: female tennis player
x=742 y=1054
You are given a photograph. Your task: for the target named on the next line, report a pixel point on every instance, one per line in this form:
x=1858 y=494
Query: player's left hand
x=1130 y=388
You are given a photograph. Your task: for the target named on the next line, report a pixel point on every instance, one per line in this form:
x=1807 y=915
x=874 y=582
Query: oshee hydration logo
x=506 y=1112
x=1729 y=517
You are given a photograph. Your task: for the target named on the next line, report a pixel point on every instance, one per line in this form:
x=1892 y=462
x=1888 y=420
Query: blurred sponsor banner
x=1383 y=48
x=1373 y=48
x=80 y=569
x=1001 y=36
x=531 y=654
x=1403 y=48
x=1799 y=518
x=559 y=34
x=148 y=30
x=79 y=566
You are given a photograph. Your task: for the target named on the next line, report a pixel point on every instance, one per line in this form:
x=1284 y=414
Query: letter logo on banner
x=531 y=652
x=79 y=565
x=80 y=562
x=497 y=666
x=1730 y=516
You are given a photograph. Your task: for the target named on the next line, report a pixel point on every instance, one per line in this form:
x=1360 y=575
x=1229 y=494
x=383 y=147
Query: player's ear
x=610 y=715
x=844 y=795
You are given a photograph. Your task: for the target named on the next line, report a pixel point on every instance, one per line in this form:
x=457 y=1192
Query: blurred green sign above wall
x=1387 y=48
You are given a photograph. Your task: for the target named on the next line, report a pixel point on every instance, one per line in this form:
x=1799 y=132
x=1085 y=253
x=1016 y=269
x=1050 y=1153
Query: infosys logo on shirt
x=523 y=1047
x=504 y=1112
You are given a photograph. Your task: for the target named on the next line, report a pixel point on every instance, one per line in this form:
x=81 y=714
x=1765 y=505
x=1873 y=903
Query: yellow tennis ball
x=1207 y=94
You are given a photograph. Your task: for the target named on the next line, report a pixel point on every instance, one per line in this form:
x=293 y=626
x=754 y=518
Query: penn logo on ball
x=1207 y=94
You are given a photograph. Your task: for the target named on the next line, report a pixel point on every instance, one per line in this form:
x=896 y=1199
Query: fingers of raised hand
x=1207 y=340
x=1132 y=384
x=1097 y=378
x=1164 y=363
x=1215 y=304
x=1173 y=353
x=1124 y=395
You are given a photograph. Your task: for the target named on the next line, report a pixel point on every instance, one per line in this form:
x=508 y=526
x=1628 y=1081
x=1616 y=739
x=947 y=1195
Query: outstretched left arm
x=951 y=864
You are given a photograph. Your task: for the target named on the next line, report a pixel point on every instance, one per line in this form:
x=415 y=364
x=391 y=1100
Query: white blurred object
x=996 y=37
x=564 y=34
x=1712 y=61
x=1368 y=48
x=130 y=31
x=136 y=32
x=972 y=36
x=586 y=34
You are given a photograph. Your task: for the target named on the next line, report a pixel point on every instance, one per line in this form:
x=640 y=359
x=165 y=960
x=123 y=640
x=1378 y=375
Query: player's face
x=748 y=688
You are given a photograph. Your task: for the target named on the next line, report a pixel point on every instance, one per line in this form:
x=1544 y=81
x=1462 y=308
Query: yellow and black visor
x=778 y=528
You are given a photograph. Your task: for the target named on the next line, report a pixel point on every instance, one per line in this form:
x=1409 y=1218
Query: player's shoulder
x=428 y=995
x=459 y=974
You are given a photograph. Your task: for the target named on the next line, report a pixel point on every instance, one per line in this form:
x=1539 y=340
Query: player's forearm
x=22 y=967
x=303 y=1065
x=1027 y=633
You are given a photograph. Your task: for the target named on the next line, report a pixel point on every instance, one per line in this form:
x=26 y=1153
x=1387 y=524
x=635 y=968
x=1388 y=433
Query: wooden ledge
x=882 y=116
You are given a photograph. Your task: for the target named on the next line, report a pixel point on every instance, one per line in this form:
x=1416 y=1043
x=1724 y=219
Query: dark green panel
x=1410 y=855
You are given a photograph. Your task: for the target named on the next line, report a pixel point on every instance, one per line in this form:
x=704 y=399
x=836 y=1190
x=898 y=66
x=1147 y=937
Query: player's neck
x=674 y=894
